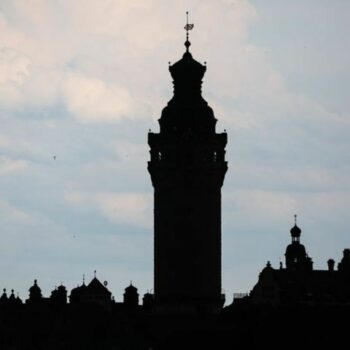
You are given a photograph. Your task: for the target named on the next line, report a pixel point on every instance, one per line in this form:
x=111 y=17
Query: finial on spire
x=95 y=273
x=84 y=279
x=188 y=27
x=295 y=219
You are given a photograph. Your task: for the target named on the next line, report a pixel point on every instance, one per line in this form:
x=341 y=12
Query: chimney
x=331 y=264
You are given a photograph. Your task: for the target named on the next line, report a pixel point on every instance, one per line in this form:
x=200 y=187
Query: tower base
x=200 y=307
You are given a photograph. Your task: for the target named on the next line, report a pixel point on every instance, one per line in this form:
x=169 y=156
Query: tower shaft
x=187 y=169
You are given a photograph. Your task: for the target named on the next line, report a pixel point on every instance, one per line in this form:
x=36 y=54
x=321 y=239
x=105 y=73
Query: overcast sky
x=84 y=81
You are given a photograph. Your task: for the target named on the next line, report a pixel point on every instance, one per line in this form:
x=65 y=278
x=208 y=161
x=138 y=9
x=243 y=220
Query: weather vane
x=188 y=27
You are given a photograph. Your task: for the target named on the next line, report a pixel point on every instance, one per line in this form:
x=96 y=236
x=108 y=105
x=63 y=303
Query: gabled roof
x=96 y=287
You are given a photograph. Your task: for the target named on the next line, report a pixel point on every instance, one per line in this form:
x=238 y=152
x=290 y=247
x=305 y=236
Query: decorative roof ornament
x=295 y=230
x=187 y=72
x=131 y=287
x=188 y=27
x=12 y=296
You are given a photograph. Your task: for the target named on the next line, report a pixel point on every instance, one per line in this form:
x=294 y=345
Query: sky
x=82 y=82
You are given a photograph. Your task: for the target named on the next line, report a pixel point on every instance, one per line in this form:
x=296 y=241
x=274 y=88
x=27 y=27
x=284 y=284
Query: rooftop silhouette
x=290 y=305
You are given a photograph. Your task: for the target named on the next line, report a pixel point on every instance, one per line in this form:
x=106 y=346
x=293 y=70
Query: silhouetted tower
x=59 y=295
x=35 y=292
x=131 y=296
x=187 y=169
x=148 y=301
x=344 y=265
x=296 y=256
x=4 y=297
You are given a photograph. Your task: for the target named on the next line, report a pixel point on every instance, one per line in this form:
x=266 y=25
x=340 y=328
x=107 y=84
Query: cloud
x=14 y=70
x=8 y=165
x=85 y=80
x=10 y=213
x=127 y=208
x=3 y=141
x=93 y=100
x=133 y=209
x=14 y=67
x=127 y=150
x=267 y=204
x=95 y=72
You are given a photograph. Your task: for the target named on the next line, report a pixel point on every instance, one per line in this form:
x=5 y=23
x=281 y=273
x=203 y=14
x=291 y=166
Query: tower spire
x=187 y=169
x=188 y=27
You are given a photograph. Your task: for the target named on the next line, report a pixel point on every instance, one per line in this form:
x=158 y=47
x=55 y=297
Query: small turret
x=35 y=293
x=331 y=264
x=148 y=301
x=12 y=298
x=131 y=296
x=59 y=295
x=3 y=298
x=296 y=256
x=344 y=265
x=77 y=293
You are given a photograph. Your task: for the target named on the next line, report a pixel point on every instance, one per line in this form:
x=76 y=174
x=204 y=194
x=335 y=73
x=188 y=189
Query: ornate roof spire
x=295 y=230
x=187 y=76
x=188 y=27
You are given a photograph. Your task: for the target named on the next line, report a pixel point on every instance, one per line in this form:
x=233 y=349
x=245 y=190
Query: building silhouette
x=187 y=169
x=299 y=283
x=291 y=307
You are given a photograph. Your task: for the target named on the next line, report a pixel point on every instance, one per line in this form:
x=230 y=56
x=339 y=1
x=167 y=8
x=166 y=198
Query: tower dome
x=295 y=231
x=187 y=70
x=131 y=296
x=35 y=292
x=187 y=111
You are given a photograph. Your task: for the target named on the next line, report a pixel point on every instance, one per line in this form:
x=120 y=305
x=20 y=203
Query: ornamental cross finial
x=188 y=27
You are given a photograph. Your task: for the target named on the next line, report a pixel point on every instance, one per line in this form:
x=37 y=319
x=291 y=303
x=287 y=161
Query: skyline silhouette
x=185 y=308
x=58 y=223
